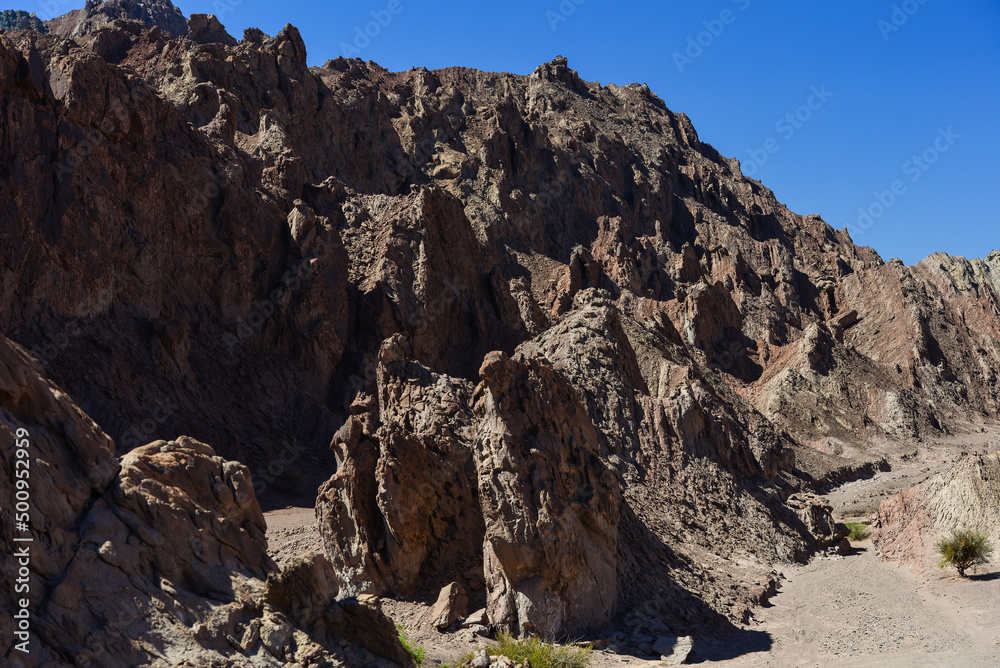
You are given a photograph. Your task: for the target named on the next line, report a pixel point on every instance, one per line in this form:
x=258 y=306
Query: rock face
x=907 y=526
x=16 y=19
x=402 y=511
x=162 y=554
x=275 y=303
x=563 y=349
x=206 y=29
x=98 y=13
x=550 y=505
x=582 y=475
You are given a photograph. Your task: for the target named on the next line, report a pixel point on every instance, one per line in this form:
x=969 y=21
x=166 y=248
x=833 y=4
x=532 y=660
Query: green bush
x=964 y=549
x=859 y=531
x=540 y=654
x=417 y=653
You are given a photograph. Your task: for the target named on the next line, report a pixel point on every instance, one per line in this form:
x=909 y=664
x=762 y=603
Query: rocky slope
x=908 y=526
x=566 y=354
x=98 y=13
x=156 y=559
x=15 y=19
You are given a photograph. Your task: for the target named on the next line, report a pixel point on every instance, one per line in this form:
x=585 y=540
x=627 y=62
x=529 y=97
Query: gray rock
x=674 y=650
x=478 y=618
x=479 y=630
x=451 y=605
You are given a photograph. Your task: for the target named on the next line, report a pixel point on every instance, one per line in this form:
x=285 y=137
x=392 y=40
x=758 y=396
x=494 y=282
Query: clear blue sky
x=893 y=90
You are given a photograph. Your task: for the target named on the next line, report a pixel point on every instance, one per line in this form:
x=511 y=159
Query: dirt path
x=855 y=610
x=839 y=611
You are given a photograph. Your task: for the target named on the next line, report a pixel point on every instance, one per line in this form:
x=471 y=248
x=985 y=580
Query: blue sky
x=896 y=81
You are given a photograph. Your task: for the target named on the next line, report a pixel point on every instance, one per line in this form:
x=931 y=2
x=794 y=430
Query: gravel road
x=835 y=611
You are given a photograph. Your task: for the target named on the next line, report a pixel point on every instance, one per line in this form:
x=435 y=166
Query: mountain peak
x=97 y=13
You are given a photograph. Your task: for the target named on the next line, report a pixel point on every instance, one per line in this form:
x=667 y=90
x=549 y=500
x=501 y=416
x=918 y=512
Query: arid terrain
x=290 y=350
x=837 y=610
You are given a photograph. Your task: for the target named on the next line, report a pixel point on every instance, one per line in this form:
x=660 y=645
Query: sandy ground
x=834 y=611
x=857 y=611
x=910 y=466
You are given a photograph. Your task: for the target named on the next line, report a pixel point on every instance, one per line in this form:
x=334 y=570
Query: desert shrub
x=417 y=653
x=859 y=531
x=539 y=653
x=290 y=479
x=964 y=549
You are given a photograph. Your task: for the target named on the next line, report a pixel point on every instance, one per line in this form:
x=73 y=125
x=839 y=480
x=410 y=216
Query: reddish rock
x=214 y=240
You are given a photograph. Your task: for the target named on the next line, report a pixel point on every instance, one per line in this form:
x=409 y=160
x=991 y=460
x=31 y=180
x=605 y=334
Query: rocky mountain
x=565 y=353
x=16 y=19
x=98 y=13
x=158 y=558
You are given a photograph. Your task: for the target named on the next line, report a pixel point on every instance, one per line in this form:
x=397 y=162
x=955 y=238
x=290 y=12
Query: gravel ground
x=857 y=611
x=835 y=611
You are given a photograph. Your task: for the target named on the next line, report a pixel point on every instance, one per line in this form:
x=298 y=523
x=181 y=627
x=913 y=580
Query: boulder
x=451 y=605
x=674 y=650
x=477 y=618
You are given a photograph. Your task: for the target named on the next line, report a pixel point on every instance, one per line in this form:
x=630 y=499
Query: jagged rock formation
x=511 y=302
x=967 y=496
x=158 y=559
x=596 y=445
x=551 y=506
x=402 y=511
x=99 y=13
x=16 y=19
